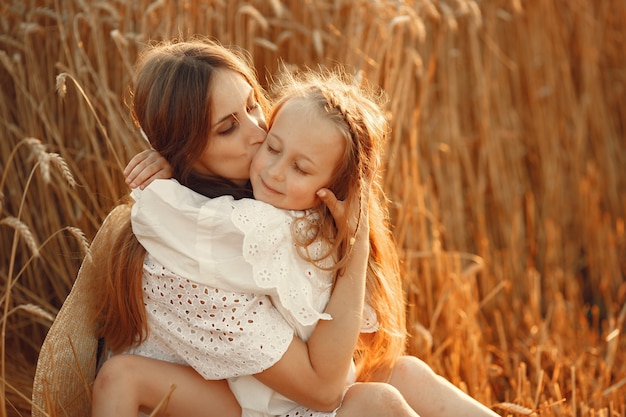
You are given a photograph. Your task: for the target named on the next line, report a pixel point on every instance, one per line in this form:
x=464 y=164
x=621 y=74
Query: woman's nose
x=258 y=137
x=257 y=133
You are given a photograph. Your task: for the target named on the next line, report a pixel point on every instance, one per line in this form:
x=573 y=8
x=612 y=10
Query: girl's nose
x=275 y=171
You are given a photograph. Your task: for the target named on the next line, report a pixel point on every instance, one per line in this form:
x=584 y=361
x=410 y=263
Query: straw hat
x=66 y=366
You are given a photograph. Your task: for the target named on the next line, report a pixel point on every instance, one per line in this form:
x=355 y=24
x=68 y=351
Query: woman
x=187 y=94
x=425 y=391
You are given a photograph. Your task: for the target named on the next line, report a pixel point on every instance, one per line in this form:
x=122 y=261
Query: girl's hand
x=145 y=167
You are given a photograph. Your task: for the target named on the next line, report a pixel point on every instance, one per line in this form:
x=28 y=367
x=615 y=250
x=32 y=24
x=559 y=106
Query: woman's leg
x=374 y=399
x=127 y=383
x=430 y=394
x=367 y=399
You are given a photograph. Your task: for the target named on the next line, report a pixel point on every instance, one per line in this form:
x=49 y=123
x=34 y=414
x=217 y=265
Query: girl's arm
x=145 y=167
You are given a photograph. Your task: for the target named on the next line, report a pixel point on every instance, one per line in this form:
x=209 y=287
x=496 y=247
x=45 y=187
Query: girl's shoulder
x=250 y=211
x=262 y=207
x=172 y=193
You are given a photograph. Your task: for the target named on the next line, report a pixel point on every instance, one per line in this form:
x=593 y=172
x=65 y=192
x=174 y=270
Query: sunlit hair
x=171 y=102
x=357 y=113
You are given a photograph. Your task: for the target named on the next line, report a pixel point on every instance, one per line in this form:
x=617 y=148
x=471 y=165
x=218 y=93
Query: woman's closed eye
x=251 y=107
x=228 y=125
x=227 y=130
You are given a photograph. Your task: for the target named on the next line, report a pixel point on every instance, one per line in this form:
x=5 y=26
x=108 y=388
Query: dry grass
x=506 y=169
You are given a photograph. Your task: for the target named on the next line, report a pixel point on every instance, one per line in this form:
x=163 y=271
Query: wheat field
x=506 y=169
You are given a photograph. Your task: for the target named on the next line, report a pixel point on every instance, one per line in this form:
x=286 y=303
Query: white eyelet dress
x=225 y=289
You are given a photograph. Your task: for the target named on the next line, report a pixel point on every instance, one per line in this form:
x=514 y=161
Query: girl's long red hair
x=376 y=353
x=356 y=110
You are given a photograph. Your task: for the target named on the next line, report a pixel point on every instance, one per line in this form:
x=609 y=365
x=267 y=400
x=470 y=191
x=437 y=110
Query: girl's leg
x=127 y=383
x=430 y=394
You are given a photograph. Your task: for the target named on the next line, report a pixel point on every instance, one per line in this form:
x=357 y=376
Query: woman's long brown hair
x=171 y=102
x=121 y=315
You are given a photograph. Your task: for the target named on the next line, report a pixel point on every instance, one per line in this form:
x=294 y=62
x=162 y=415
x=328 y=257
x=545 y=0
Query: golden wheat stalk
x=515 y=409
x=34 y=310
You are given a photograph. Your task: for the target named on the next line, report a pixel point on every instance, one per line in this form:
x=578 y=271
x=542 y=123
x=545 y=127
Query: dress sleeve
x=164 y=219
x=302 y=287
x=243 y=245
x=187 y=232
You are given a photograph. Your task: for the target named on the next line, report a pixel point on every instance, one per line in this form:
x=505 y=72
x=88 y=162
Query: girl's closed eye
x=299 y=170
x=270 y=149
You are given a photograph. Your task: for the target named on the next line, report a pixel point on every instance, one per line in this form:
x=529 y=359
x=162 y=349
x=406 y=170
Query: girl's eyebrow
x=299 y=155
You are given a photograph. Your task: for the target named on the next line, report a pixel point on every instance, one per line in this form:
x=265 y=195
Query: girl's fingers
x=145 y=167
x=137 y=160
x=136 y=165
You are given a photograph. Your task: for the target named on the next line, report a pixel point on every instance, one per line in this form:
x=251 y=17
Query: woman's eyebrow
x=223 y=119
x=234 y=115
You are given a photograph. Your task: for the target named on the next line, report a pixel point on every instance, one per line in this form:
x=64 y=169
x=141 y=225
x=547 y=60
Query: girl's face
x=237 y=129
x=299 y=156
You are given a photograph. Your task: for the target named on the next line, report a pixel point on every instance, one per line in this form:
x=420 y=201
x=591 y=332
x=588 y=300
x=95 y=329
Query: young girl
x=177 y=305
x=377 y=358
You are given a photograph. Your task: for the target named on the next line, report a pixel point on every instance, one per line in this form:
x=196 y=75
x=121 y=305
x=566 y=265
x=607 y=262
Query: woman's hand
x=314 y=373
x=353 y=213
x=145 y=167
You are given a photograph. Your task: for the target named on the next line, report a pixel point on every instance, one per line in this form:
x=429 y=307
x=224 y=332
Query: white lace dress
x=228 y=290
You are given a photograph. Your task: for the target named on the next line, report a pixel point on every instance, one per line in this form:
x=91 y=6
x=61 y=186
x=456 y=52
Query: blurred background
x=506 y=170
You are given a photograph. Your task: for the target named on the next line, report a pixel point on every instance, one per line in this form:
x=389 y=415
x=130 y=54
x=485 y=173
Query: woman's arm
x=314 y=374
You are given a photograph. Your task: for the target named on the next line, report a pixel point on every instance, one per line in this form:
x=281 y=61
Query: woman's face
x=299 y=156
x=237 y=129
